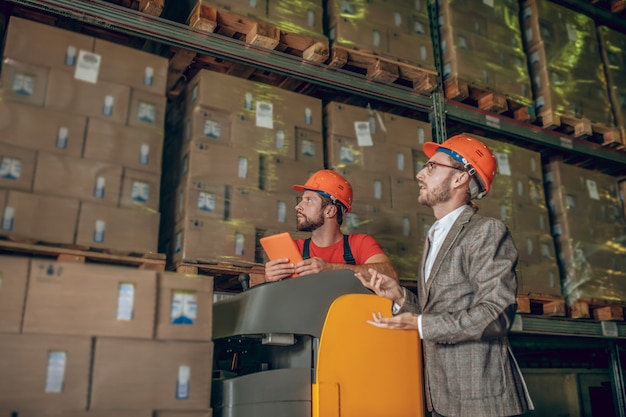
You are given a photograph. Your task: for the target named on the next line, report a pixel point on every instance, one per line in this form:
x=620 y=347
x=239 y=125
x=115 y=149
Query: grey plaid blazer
x=467 y=307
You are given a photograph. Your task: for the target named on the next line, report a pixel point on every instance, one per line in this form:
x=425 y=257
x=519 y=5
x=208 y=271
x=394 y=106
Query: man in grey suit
x=466 y=290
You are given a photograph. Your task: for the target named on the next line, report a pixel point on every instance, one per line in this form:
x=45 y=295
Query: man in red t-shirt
x=326 y=199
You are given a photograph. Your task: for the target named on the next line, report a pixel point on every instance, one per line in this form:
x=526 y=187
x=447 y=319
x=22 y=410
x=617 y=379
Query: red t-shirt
x=363 y=247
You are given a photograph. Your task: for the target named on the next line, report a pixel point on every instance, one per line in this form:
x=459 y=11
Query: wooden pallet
x=585 y=308
x=384 y=68
x=72 y=253
x=582 y=128
x=256 y=31
x=540 y=304
x=486 y=100
x=152 y=7
x=227 y=276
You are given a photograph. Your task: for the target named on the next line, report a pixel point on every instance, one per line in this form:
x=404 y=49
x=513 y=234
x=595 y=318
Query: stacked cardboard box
x=81 y=137
x=392 y=28
x=589 y=228
x=517 y=198
x=613 y=48
x=565 y=64
x=378 y=153
x=244 y=144
x=481 y=44
x=77 y=337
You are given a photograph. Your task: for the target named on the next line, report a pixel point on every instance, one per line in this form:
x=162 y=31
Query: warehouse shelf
x=176 y=35
x=528 y=324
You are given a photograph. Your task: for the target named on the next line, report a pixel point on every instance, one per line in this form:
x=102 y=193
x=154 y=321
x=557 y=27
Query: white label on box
x=99 y=189
x=7 y=218
x=346 y=7
x=570 y=201
x=281 y=212
x=492 y=121
x=520 y=188
x=307 y=148
x=206 y=201
x=252 y=3
x=534 y=58
x=184 y=308
x=62 y=135
x=376 y=38
x=182 y=383
x=542 y=222
x=99 y=231
x=418 y=5
x=187 y=130
x=528 y=12
x=179 y=242
x=144 y=154
x=265 y=114
x=308 y=116
x=592 y=188
x=87 y=66
x=503 y=213
x=140 y=191
x=397 y=19
x=146 y=112
x=239 y=244
x=400 y=161
x=185 y=165
x=545 y=251
x=406 y=227
x=125 y=301
x=55 y=372
x=557 y=230
x=488 y=2
x=423 y=53
x=181 y=202
x=572 y=34
x=363 y=133
x=23 y=84
x=10 y=168
x=280 y=139
x=148 y=76
x=421 y=137
x=529 y=246
x=419 y=28
x=242 y=167
x=529 y=35
x=447 y=68
x=212 y=129
x=107 y=108
x=503 y=163
x=378 y=190
x=248 y=103
x=540 y=102
x=352 y=221
x=70 y=56
x=310 y=18
x=533 y=164
x=346 y=154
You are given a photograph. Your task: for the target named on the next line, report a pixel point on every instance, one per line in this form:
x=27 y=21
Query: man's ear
x=462 y=179
x=330 y=210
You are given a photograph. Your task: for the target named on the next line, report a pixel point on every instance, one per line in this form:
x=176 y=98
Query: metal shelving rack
x=172 y=34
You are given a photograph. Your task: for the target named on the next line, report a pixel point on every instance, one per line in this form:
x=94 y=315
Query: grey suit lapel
x=451 y=237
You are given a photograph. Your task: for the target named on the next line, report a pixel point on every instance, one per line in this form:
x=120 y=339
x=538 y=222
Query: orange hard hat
x=478 y=160
x=331 y=184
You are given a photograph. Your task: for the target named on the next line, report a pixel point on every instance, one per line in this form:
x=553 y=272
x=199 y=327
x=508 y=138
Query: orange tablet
x=281 y=245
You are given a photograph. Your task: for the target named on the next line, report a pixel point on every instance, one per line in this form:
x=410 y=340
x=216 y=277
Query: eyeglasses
x=431 y=165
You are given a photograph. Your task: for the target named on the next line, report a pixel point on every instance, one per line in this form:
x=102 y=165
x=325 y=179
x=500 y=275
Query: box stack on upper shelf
x=244 y=144
x=77 y=337
x=569 y=83
x=81 y=139
x=152 y=7
x=483 y=56
x=588 y=227
x=613 y=48
x=388 y=39
x=294 y=28
x=377 y=153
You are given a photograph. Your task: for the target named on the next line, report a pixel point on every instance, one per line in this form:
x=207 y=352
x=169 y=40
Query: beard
x=309 y=225
x=440 y=194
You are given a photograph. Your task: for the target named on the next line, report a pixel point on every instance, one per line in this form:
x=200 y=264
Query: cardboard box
x=132 y=67
x=39 y=217
x=60 y=49
x=234 y=166
x=208 y=239
x=147 y=110
x=401 y=161
x=406 y=131
x=201 y=197
x=369 y=187
x=280 y=174
x=124 y=145
x=57 y=132
x=103 y=100
x=17 y=167
x=117 y=228
x=344 y=152
x=13 y=279
x=309 y=148
x=404 y=195
x=24 y=83
x=205 y=122
x=125 y=375
x=277 y=141
x=185 y=307
x=48 y=373
x=84 y=179
x=416 y=49
x=263 y=209
x=140 y=190
x=360 y=34
x=90 y=300
x=341 y=119
x=302 y=17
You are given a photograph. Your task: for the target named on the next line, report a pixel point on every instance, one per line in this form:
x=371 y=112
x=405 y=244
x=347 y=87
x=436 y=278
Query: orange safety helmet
x=478 y=160
x=330 y=184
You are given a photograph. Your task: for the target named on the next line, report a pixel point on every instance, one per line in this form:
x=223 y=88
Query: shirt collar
x=445 y=223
